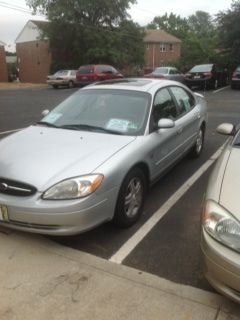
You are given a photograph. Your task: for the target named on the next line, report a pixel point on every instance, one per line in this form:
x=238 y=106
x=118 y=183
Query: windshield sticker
x=52 y=117
x=120 y=125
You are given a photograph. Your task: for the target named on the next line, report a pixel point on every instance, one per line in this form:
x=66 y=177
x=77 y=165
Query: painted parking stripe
x=136 y=238
x=5 y=132
x=221 y=89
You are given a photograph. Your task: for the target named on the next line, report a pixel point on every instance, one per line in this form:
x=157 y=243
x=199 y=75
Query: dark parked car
x=88 y=74
x=169 y=73
x=206 y=76
x=235 y=80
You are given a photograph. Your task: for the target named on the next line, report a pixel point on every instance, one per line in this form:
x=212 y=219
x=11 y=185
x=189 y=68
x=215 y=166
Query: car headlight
x=221 y=225
x=74 y=188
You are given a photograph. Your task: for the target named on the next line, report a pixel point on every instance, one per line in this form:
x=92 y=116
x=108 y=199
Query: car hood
x=229 y=196
x=42 y=156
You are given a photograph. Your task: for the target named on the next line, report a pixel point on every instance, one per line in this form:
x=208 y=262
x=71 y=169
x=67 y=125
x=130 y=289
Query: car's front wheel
x=130 y=199
x=198 y=146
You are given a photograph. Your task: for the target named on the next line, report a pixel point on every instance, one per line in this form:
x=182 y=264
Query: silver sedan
x=92 y=158
x=220 y=241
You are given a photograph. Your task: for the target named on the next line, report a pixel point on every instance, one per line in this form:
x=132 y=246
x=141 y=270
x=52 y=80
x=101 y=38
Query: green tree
x=229 y=28
x=83 y=31
x=198 y=34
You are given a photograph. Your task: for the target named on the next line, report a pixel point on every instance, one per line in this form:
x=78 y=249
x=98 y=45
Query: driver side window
x=163 y=106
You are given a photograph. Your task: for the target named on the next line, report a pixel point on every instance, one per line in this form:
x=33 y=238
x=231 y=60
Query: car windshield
x=202 y=68
x=103 y=110
x=160 y=70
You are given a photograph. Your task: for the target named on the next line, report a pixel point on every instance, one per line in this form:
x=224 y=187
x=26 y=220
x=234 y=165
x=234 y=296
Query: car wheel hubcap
x=133 y=198
x=199 y=142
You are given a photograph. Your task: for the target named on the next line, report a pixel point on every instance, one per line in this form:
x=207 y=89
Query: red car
x=96 y=72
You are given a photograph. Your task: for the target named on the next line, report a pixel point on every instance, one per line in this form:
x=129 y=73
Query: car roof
x=134 y=84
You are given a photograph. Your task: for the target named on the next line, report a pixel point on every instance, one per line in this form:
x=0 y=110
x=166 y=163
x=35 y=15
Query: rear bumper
x=199 y=82
x=221 y=267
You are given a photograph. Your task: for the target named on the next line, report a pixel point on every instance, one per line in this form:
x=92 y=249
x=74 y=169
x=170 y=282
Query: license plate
x=196 y=77
x=4 y=213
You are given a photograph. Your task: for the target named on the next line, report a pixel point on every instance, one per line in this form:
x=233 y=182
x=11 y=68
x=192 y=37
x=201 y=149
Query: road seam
x=141 y=233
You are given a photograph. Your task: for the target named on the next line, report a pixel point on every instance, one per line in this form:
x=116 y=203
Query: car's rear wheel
x=130 y=199
x=198 y=146
x=55 y=86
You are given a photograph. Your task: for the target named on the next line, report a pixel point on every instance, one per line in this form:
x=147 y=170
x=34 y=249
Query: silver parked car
x=92 y=158
x=220 y=241
x=170 y=73
x=62 y=78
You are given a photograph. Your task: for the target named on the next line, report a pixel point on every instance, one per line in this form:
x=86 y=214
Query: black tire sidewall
x=120 y=218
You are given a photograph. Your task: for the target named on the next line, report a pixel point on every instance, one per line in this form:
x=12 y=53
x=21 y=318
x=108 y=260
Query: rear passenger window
x=185 y=100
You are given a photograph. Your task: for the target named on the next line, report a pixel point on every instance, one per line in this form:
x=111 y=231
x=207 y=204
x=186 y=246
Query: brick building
x=161 y=48
x=3 y=64
x=33 y=55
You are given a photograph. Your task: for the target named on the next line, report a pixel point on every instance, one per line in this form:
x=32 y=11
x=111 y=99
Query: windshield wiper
x=88 y=127
x=47 y=124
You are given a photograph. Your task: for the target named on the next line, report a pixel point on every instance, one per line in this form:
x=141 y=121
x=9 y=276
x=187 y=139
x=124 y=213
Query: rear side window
x=85 y=69
x=185 y=100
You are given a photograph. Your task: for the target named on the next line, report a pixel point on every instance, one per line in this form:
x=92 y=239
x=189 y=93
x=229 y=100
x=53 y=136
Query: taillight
x=187 y=75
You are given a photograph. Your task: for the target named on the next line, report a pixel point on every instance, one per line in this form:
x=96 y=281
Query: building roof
x=157 y=36
x=39 y=23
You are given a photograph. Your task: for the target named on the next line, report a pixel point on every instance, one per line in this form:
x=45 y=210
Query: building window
x=170 y=47
x=163 y=47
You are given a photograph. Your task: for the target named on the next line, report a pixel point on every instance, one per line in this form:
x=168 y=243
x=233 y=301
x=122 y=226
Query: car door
x=188 y=117
x=163 y=143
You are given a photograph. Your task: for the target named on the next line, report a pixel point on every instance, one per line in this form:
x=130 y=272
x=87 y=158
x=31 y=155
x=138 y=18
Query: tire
x=196 y=150
x=70 y=84
x=55 y=86
x=131 y=199
x=233 y=86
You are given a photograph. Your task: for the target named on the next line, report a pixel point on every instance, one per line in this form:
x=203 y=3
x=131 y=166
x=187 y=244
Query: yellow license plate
x=4 y=213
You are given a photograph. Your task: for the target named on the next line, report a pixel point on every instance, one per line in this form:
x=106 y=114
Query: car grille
x=15 y=188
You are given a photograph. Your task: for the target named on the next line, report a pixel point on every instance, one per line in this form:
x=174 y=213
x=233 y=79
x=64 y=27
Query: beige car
x=220 y=240
x=62 y=78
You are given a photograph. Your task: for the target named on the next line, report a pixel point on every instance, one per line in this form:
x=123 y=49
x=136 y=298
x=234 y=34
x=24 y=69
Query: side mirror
x=226 y=129
x=165 y=123
x=45 y=112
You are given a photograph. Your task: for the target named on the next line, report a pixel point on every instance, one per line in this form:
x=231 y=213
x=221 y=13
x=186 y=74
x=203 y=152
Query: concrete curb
x=45 y=280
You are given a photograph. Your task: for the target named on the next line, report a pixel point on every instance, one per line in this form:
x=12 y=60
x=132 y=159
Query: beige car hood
x=230 y=191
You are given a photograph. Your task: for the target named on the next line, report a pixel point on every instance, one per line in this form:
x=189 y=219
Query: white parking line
x=221 y=89
x=5 y=132
x=128 y=247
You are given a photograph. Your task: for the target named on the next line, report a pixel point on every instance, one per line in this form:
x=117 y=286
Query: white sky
x=12 y=21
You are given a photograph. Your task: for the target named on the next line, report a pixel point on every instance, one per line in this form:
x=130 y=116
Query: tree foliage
x=198 y=34
x=229 y=28
x=83 y=31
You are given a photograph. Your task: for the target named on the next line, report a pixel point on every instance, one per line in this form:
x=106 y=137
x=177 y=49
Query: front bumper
x=58 y=82
x=221 y=267
x=62 y=217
